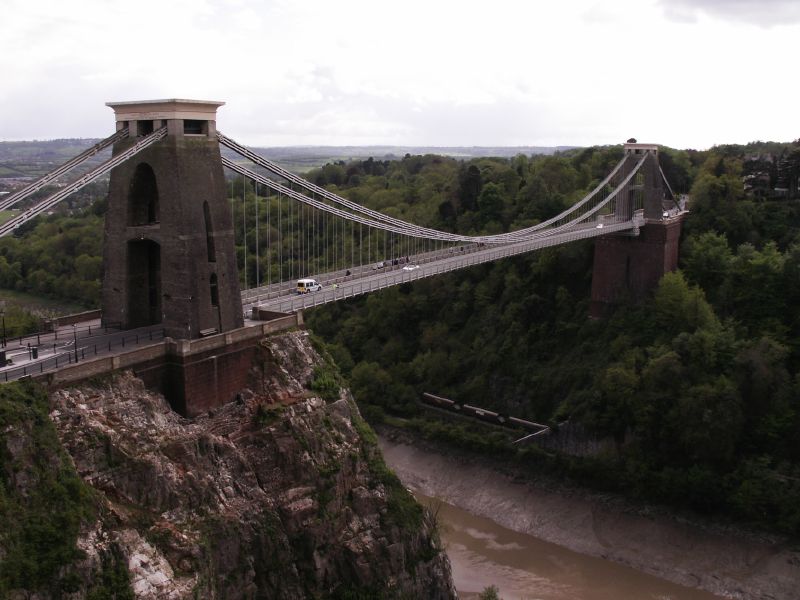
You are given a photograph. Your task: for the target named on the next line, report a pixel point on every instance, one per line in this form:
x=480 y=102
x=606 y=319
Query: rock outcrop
x=281 y=494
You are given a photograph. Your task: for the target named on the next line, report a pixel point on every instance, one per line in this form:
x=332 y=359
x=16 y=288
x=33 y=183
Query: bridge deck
x=282 y=297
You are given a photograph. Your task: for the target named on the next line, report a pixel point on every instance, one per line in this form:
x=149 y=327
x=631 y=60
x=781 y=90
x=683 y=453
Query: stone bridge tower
x=628 y=267
x=169 y=255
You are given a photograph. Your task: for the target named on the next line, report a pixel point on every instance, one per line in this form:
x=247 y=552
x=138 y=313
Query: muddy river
x=534 y=540
x=483 y=553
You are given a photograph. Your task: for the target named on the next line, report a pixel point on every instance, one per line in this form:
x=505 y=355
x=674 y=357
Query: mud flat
x=725 y=562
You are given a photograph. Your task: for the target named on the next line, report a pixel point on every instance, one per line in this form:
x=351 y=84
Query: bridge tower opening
x=144 y=291
x=627 y=267
x=168 y=229
x=143 y=199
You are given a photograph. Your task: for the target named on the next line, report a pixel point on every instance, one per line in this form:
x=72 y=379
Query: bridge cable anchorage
x=66 y=167
x=86 y=179
x=410 y=228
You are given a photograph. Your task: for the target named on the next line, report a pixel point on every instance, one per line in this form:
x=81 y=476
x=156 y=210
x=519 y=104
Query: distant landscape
x=37 y=157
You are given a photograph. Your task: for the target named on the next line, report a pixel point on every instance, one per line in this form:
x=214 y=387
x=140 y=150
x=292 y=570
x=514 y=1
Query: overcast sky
x=685 y=73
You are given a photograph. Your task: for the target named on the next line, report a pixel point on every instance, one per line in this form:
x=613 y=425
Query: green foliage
x=267 y=415
x=696 y=382
x=113 y=582
x=43 y=502
x=490 y=593
x=19 y=321
x=680 y=308
x=707 y=258
x=326 y=382
x=325 y=379
x=57 y=257
x=402 y=510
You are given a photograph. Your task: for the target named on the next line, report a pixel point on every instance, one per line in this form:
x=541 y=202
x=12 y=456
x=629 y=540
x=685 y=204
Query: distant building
x=788 y=172
x=759 y=172
x=769 y=176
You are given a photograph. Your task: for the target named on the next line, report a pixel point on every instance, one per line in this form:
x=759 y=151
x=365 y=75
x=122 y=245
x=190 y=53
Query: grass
x=39 y=304
x=6 y=215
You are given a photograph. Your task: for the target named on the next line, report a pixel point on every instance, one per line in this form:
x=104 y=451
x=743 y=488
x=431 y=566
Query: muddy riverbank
x=688 y=552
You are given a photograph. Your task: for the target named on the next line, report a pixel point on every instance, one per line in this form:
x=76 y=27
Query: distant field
x=5 y=215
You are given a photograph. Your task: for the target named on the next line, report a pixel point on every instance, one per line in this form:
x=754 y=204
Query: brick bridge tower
x=628 y=267
x=168 y=249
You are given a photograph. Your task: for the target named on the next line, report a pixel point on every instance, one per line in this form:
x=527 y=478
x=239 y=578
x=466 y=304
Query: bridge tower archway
x=168 y=229
x=143 y=198
x=144 y=291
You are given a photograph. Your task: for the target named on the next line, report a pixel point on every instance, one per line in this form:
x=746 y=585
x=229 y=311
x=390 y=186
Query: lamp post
x=75 y=339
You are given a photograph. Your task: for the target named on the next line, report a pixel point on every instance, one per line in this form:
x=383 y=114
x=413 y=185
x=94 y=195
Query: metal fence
x=61 y=357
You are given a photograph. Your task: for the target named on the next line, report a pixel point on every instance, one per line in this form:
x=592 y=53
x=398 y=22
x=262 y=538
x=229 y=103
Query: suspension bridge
x=170 y=231
x=343 y=244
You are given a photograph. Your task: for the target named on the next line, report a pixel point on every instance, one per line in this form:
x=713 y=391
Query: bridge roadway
x=86 y=340
x=337 y=286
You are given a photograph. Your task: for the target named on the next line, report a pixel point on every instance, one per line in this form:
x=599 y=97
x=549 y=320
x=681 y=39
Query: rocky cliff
x=281 y=494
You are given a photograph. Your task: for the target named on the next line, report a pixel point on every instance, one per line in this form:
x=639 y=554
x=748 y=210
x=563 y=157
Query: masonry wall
x=195 y=376
x=628 y=268
x=198 y=382
x=188 y=173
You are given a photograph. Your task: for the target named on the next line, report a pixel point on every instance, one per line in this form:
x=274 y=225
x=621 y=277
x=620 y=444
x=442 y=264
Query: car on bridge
x=410 y=267
x=306 y=286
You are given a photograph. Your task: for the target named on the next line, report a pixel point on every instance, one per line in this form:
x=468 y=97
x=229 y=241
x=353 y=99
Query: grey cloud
x=65 y=101
x=360 y=117
x=764 y=13
x=363 y=119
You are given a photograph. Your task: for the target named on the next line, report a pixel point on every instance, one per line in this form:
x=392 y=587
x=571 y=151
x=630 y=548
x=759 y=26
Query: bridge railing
x=60 y=357
x=78 y=331
x=341 y=276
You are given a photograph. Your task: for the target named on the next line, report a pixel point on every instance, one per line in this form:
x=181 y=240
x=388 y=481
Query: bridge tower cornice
x=182 y=117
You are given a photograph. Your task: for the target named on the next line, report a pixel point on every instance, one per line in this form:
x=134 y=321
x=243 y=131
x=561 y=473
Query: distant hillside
x=33 y=158
x=303 y=158
x=347 y=152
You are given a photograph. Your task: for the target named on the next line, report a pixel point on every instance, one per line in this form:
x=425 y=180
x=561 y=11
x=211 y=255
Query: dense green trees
x=59 y=257
x=699 y=385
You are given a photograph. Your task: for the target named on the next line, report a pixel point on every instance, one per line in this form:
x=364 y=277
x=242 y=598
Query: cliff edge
x=281 y=494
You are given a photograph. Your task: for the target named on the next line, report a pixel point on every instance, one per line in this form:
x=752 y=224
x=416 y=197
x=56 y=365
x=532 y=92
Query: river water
x=483 y=553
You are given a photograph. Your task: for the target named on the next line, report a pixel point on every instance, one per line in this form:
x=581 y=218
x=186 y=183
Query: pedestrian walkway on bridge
x=45 y=351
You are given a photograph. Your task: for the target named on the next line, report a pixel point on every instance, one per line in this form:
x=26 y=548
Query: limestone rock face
x=280 y=494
